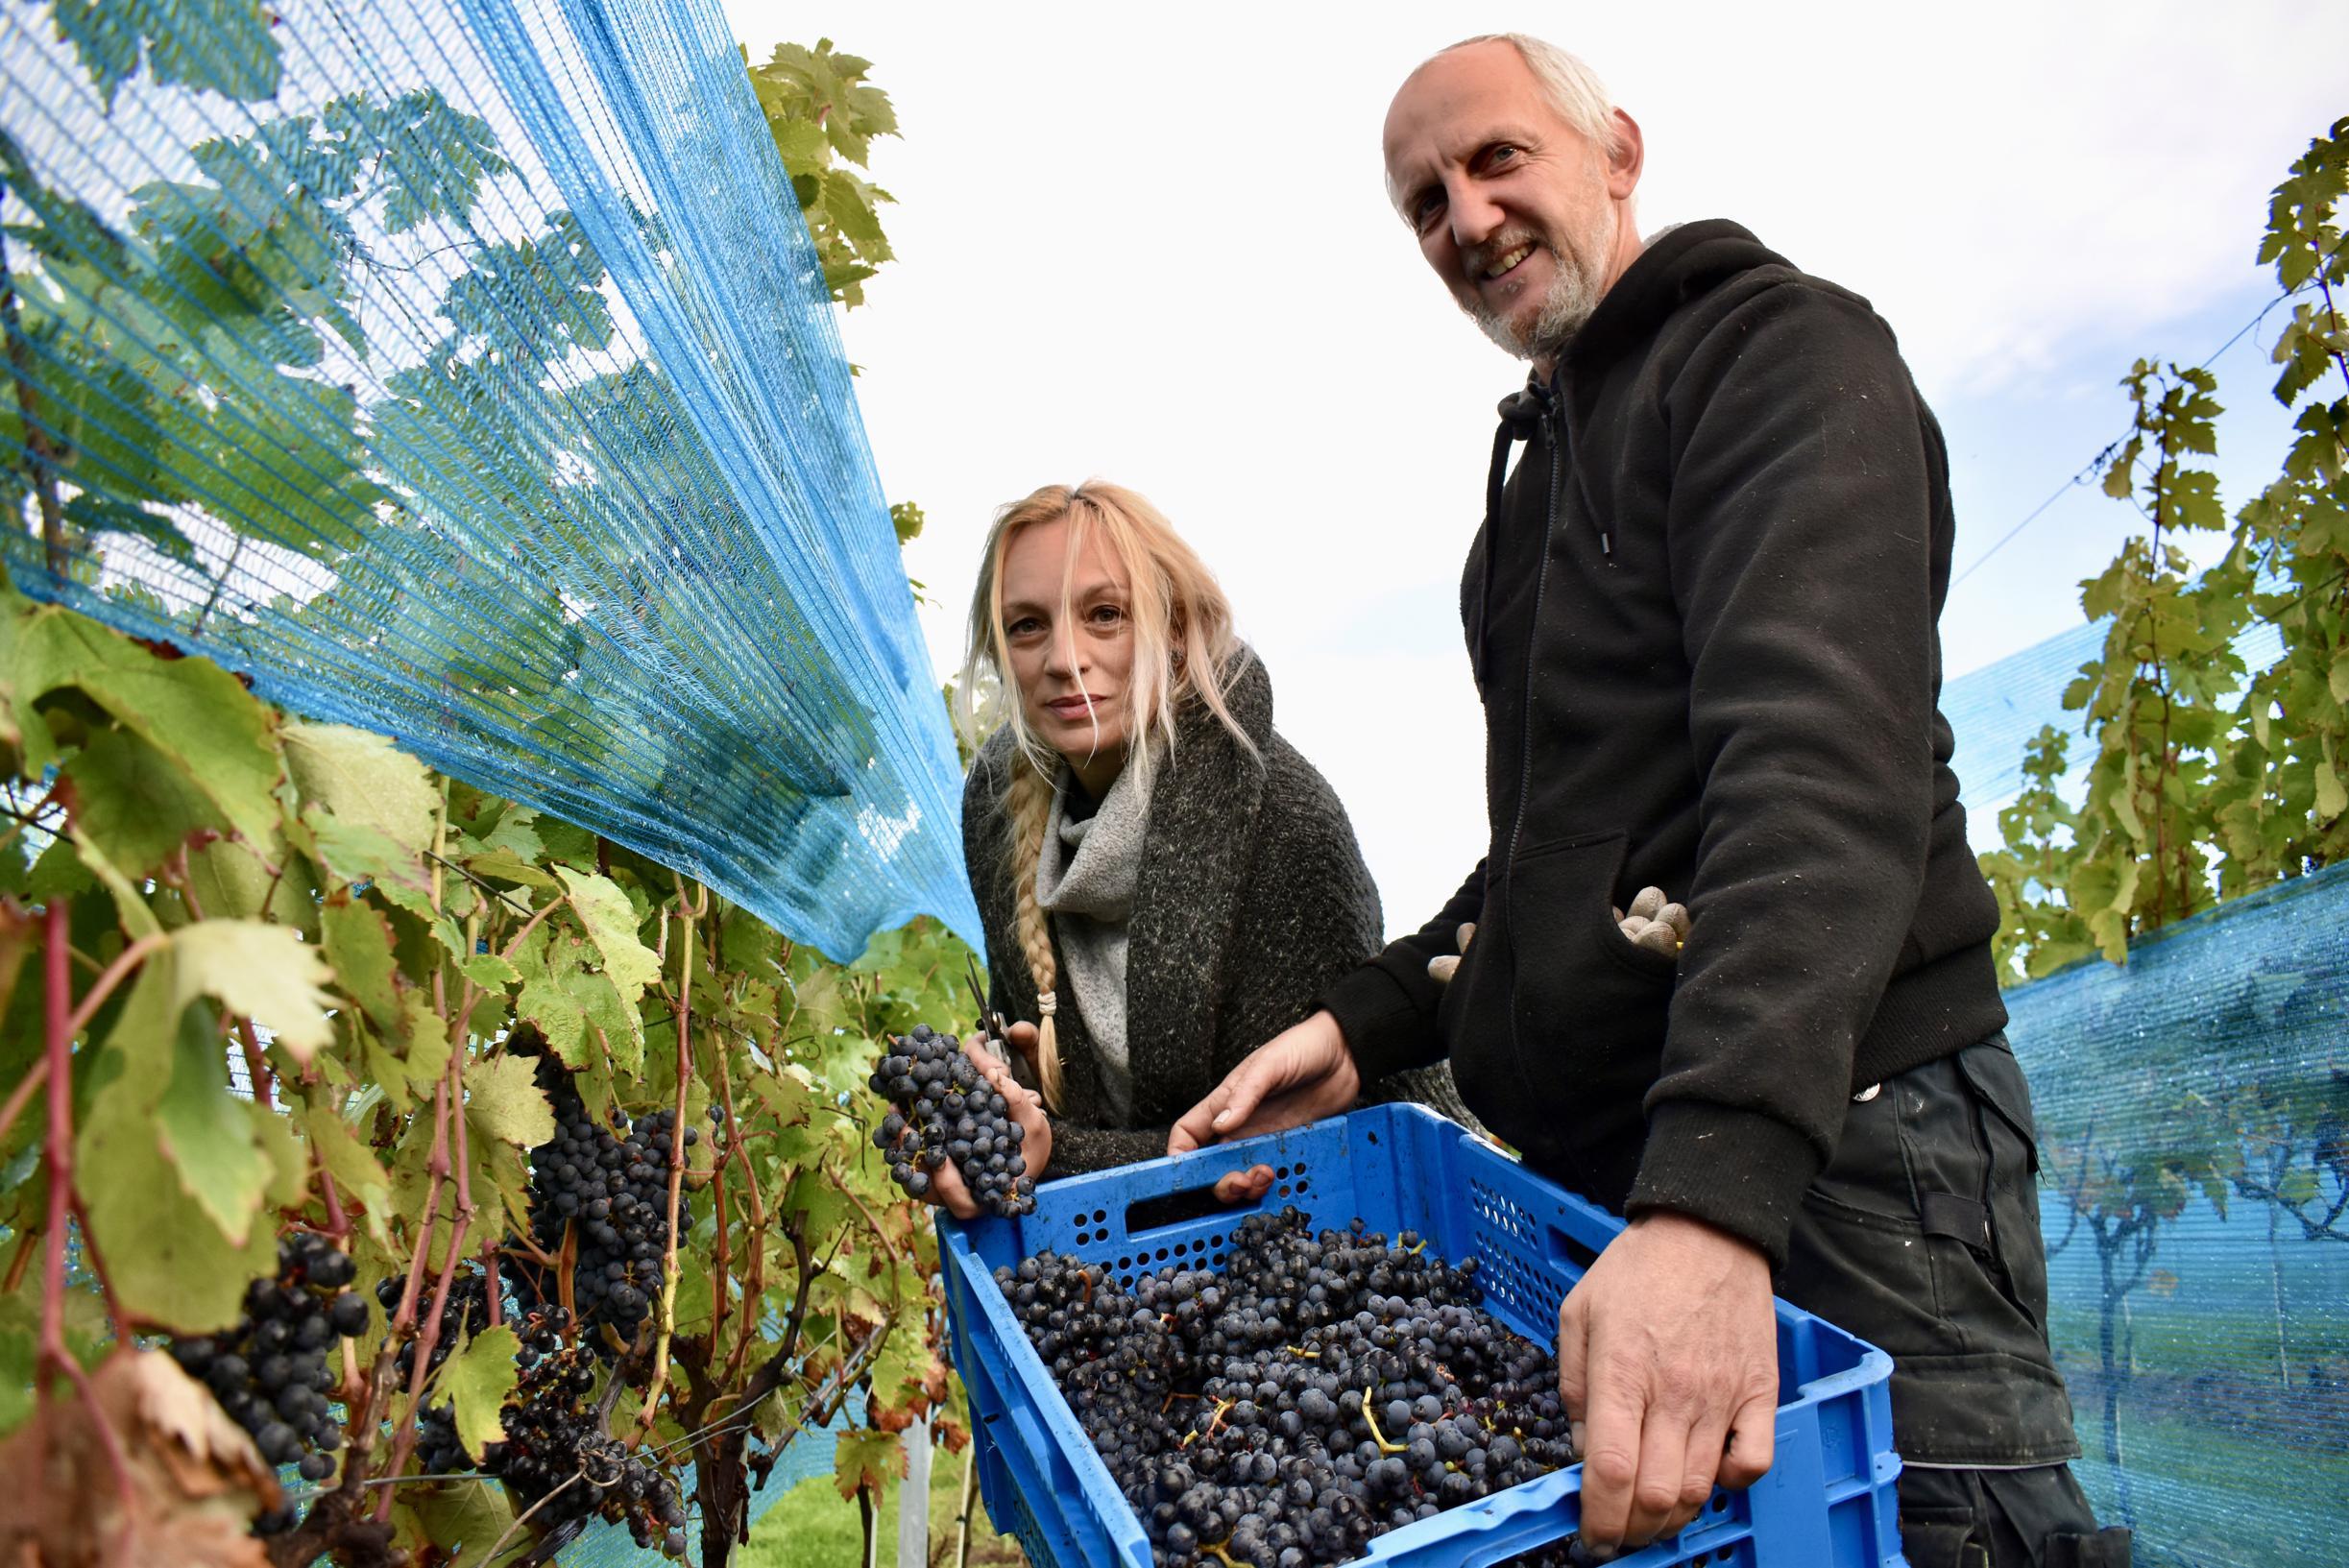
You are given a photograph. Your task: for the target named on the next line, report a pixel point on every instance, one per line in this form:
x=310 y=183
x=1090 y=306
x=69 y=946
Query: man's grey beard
x=1572 y=300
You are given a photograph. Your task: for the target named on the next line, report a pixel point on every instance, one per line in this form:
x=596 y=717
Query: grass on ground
x=813 y=1528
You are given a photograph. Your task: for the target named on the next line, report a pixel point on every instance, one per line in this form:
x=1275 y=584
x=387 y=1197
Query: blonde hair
x=1184 y=650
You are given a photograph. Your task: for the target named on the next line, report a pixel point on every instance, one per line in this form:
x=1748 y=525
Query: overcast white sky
x=1150 y=244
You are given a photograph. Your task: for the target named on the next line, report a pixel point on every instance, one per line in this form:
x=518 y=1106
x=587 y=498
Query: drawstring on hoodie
x=1521 y=414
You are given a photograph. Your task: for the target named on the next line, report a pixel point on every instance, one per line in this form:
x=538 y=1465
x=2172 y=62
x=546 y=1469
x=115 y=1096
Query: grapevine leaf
x=609 y=921
x=867 y=1460
x=290 y=1160
x=261 y=972
x=477 y=1379
x=351 y=1164
x=129 y=903
x=193 y=711
x=2331 y=798
x=550 y=1005
x=468 y=1517
x=167 y=1259
x=502 y=1101
x=223 y=46
x=134 y=803
x=358 y=944
x=490 y=972
x=207 y=1132
x=363 y=778
x=231 y=881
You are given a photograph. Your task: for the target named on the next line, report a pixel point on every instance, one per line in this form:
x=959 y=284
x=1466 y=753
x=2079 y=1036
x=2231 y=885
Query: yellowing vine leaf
x=363 y=780
x=261 y=972
x=502 y=1101
x=196 y=1482
x=610 y=922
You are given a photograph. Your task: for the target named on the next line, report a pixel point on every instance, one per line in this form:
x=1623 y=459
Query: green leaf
x=551 y=1006
x=193 y=711
x=609 y=921
x=136 y=803
x=502 y=1101
x=224 y=46
x=358 y=944
x=231 y=881
x=490 y=972
x=351 y=1164
x=206 y=1132
x=2331 y=798
x=477 y=1379
x=468 y=1517
x=264 y=973
x=363 y=778
x=164 y=1253
x=129 y=902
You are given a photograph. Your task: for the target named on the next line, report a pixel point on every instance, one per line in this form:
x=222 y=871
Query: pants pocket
x=2010 y=1142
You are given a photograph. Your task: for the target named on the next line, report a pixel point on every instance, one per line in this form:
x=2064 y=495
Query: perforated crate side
x=1827 y=1504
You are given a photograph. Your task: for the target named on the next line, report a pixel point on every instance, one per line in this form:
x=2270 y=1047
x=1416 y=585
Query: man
x=1702 y=618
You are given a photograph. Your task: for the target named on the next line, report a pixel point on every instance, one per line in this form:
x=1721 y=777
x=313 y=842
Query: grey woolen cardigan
x=1252 y=898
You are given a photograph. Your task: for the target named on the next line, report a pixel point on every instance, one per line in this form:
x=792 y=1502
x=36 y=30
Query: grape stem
x=53 y=1349
x=436 y=1167
x=689 y=917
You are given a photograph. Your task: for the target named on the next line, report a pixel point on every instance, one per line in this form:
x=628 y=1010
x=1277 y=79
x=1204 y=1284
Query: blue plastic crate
x=1827 y=1503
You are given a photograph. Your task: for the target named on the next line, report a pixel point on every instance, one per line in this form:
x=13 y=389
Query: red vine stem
x=53 y=1351
x=687 y=916
x=256 y=1066
x=113 y=974
x=436 y=1168
x=338 y=1223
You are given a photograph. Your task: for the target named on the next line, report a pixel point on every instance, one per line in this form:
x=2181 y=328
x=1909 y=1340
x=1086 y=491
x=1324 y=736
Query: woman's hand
x=1024 y=1105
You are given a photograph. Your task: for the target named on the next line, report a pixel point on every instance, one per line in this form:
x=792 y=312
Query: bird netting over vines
x=463 y=370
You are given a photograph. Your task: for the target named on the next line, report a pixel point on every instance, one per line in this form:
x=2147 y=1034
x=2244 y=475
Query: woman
x=1163 y=882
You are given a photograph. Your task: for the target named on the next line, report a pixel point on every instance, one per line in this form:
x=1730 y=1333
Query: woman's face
x=1072 y=671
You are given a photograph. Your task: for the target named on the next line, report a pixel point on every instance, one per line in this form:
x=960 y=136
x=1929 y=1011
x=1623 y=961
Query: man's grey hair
x=1570 y=87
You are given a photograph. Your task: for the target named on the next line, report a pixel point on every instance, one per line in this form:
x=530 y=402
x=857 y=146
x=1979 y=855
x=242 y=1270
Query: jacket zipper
x=1533 y=634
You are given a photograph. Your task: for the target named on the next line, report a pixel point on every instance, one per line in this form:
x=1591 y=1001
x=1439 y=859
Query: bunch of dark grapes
x=553 y=1437
x=1320 y=1390
x=463 y=1314
x=943 y=1108
x=273 y=1372
x=615 y=1190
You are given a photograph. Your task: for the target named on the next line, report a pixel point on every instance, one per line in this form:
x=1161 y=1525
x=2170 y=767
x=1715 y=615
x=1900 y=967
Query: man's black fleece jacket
x=1702 y=618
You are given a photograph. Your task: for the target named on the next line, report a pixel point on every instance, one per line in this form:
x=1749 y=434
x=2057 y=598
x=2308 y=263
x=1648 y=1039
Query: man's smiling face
x=1520 y=215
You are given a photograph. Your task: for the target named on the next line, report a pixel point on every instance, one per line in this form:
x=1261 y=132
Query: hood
x=1678 y=265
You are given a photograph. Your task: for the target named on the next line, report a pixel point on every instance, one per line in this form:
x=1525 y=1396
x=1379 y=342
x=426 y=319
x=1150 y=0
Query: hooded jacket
x=1250 y=898
x=1702 y=618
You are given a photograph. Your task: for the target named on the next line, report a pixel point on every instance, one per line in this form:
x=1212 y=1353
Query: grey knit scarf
x=1085 y=876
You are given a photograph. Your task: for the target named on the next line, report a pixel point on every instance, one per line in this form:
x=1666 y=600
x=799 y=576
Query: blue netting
x=2195 y=1180
x=2194 y=1121
x=1997 y=709
x=463 y=370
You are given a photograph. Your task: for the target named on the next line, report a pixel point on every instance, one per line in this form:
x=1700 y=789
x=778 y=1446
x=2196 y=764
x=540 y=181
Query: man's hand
x=1667 y=1362
x=1301 y=1074
x=946 y=1185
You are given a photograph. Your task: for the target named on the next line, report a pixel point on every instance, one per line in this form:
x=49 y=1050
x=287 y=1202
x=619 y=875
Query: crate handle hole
x=1565 y=1249
x=1151 y=1213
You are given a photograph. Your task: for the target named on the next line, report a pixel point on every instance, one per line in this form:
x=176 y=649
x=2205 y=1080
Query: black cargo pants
x=1923 y=1238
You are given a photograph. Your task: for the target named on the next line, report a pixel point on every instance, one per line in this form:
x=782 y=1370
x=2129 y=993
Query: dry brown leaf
x=196 y=1480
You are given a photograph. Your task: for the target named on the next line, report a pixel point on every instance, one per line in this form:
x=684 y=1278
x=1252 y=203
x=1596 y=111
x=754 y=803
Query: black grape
x=1321 y=1389
x=943 y=1108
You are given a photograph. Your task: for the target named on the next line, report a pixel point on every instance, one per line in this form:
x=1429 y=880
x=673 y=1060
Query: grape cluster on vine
x=612 y=1191
x=556 y=1449
x=463 y=1314
x=943 y=1108
x=1319 y=1391
x=273 y=1372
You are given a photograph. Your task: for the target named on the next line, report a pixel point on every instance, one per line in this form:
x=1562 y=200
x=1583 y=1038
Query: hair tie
x=1046 y=1003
